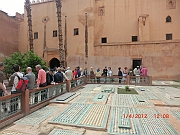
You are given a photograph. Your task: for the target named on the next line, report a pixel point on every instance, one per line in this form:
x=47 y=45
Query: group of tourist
x=61 y=74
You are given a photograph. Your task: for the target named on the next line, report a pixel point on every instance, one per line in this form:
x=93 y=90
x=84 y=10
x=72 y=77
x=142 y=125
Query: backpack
x=22 y=84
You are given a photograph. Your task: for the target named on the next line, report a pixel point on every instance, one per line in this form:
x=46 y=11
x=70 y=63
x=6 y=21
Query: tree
x=28 y=59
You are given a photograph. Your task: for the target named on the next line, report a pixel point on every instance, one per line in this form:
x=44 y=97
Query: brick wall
x=8 y=35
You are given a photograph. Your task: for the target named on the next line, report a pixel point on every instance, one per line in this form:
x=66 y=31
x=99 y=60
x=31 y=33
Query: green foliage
x=28 y=59
x=126 y=88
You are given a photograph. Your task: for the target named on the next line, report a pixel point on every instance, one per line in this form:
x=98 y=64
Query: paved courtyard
x=99 y=110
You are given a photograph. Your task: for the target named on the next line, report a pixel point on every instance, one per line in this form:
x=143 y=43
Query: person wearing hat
x=2 y=86
x=137 y=73
x=68 y=73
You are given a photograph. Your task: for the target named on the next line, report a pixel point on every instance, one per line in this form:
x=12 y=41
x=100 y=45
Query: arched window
x=168 y=19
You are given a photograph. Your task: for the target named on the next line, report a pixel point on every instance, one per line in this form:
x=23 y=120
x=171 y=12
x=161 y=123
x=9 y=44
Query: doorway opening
x=54 y=62
x=137 y=62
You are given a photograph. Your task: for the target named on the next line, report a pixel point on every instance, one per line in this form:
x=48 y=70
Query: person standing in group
x=125 y=72
x=144 y=73
x=92 y=75
x=98 y=75
x=85 y=73
x=75 y=73
x=2 y=86
x=41 y=82
x=68 y=73
x=31 y=77
x=105 y=74
x=50 y=77
x=137 y=73
x=110 y=74
x=15 y=80
x=60 y=77
x=120 y=74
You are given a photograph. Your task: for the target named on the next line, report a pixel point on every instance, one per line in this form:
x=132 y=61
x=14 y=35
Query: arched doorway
x=54 y=62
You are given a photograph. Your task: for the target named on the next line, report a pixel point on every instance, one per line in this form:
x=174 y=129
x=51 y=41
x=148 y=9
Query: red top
x=75 y=74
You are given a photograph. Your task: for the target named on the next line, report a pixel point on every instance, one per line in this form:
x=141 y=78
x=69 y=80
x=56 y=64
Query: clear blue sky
x=12 y=6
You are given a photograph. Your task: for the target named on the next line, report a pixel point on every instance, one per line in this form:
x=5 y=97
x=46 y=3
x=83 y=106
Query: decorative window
x=101 y=11
x=134 y=38
x=35 y=35
x=171 y=4
x=168 y=19
x=168 y=36
x=76 y=31
x=54 y=33
x=104 y=40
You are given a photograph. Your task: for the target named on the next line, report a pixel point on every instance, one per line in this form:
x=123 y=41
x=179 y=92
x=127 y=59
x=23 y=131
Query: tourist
x=92 y=75
x=60 y=76
x=85 y=73
x=75 y=73
x=31 y=77
x=137 y=73
x=15 y=80
x=78 y=72
x=125 y=72
x=144 y=73
x=105 y=74
x=120 y=74
x=16 y=75
x=41 y=82
x=110 y=74
x=50 y=77
x=69 y=74
x=3 y=90
x=98 y=75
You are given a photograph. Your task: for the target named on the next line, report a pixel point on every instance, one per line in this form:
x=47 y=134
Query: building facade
x=121 y=33
x=8 y=35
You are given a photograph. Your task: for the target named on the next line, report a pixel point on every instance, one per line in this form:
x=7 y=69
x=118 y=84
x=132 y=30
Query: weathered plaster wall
x=8 y=35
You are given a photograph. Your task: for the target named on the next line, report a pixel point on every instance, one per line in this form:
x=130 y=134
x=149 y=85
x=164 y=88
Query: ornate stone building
x=120 y=33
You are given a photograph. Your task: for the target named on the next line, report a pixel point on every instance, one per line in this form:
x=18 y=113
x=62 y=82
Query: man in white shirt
x=68 y=73
x=17 y=75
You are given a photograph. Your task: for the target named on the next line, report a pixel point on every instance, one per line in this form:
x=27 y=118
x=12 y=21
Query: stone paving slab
x=8 y=132
x=64 y=132
x=67 y=98
x=39 y=116
x=119 y=124
x=84 y=115
x=176 y=113
x=153 y=125
x=130 y=100
x=100 y=98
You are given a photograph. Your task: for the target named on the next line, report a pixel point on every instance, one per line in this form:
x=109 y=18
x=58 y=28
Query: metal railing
x=126 y=80
x=10 y=106
x=77 y=82
x=140 y=80
x=46 y=93
x=108 y=80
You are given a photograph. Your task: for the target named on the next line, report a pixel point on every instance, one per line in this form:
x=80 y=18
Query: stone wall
x=8 y=35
